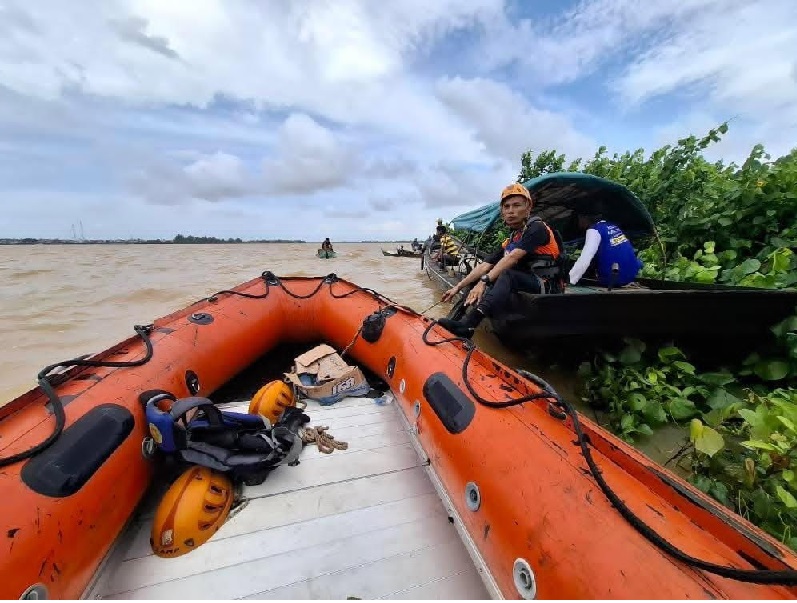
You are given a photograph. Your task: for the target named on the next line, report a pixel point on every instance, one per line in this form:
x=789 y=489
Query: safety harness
x=242 y=445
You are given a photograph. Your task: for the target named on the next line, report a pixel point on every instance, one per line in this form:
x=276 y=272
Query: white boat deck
x=364 y=522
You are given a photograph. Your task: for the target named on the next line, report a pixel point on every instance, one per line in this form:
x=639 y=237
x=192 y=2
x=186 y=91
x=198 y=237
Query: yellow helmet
x=515 y=189
x=271 y=400
x=192 y=510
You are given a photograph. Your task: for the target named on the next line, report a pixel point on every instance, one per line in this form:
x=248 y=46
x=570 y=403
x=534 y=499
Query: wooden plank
x=364 y=437
x=374 y=442
x=382 y=577
x=270 y=565
x=216 y=554
x=295 y=507
x=328 y=469
x=465 y=585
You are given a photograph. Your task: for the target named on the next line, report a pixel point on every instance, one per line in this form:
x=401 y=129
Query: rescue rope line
x=784 y=577
x=46 y=382
x=325 y=442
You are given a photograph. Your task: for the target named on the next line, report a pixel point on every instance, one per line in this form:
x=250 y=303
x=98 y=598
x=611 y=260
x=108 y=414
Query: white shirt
x=591 y=245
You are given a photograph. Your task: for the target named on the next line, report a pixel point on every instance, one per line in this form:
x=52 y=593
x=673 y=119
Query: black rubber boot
x=465 y=327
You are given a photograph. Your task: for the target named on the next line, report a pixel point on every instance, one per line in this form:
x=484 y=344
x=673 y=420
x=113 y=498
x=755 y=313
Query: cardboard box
x=321 y=374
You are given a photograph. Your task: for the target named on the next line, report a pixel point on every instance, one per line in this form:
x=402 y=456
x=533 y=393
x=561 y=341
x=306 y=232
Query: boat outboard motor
x=238 y=444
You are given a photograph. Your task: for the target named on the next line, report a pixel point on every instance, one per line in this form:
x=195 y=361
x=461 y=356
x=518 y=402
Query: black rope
x=781 y=577
x=45 y=382
x=265 y=276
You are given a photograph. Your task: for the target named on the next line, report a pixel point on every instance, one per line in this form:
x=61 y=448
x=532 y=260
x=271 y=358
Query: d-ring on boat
x=546 y=503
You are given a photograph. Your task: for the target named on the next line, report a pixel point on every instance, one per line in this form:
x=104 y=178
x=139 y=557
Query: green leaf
x=654 y=413
x=695 y=430
x=721 y=398
x=760 y=445
x=685 y=367
x=788 y=475
x=789 y=425
x=781 y=260
x=786 y=497
x=637 y=401
x=630 y=355
x=720 y=379
x=772 y=370
x=709 y=441
x=725 y=221
x=749 y=266
x=681 y=408
x=670 y=354
x=627 y=423
x=785 y=325
x=762 y=505
x=644 y=429
x=720 y=492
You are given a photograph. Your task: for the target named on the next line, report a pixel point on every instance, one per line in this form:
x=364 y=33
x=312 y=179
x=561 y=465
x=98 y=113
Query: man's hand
x=476 y=294
x=449 y=295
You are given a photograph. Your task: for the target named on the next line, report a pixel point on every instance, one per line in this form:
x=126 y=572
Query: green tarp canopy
x=557 y=198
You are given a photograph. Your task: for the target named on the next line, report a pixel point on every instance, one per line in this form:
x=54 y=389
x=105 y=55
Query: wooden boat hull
x=402 y=253
x=536 y=500
x=647 y=308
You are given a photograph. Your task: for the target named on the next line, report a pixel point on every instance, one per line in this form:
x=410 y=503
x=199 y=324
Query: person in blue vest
x=614 y=258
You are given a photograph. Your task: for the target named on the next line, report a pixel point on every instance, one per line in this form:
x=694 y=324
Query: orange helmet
x=271 y=400
x=515 y=189
x=192 y=510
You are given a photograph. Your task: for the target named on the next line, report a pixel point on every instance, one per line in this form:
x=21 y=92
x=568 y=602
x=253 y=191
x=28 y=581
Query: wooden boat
x=403 y=253
x=326 y=254
x=645 y=308
x=531 y=509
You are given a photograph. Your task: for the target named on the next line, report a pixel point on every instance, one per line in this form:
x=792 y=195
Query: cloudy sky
x=356 y=119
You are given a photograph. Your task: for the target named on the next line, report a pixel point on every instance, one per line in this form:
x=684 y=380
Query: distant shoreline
x=185 y=241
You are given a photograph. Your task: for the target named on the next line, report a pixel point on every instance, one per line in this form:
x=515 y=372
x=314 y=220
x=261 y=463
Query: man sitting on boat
x=326 y=245
x=615 y=261
x=529 y=260
x=449 y=250
x=416 y=246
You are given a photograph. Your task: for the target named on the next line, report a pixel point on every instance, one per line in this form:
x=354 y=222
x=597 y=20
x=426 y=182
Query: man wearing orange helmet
x=527 y=261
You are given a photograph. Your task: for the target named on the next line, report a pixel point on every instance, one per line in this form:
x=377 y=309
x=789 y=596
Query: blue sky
x=357 y=119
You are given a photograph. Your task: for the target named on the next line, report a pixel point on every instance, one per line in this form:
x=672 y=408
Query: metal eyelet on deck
x=402 y=386
x=192 y=382
x=525 y=582
x=200 y=318
x=35 y=592
x=472 y=496
x=416 y=408
x=556 y=412
x=148 y=448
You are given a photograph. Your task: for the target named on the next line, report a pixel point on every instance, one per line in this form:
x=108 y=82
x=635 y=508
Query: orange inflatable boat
x=545 y=502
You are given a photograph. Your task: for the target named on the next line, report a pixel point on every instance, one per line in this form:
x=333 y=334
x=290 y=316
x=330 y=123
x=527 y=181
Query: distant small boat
x=325 y=254
x=403 y=253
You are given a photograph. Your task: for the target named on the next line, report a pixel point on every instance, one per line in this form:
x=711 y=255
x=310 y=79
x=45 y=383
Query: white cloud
x=222 y=113
x=505 y=122
x=744 y=54
x=310 y=158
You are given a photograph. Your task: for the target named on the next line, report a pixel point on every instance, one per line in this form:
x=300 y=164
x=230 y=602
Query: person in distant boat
x=416 y=246
x=608 y=251
x=529 y=260
x=449 y=250
x=326 y=245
